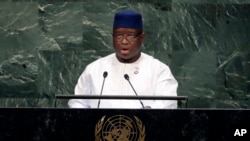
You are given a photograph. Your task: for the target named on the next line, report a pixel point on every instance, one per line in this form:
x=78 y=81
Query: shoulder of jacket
x=100 y=60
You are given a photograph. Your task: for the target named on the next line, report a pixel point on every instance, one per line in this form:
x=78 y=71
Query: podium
x=141 y=97
x=63 y=124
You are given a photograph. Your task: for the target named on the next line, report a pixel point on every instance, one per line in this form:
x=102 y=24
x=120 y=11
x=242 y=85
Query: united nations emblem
x=119 y=128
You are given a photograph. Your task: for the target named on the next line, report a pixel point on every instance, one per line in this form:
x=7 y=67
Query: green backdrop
x=46 y=44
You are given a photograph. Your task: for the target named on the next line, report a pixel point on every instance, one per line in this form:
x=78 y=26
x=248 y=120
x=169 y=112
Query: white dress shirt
x=149 y=77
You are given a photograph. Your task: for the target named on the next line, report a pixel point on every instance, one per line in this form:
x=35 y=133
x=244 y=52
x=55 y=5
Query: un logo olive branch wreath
x=99 y=127
x=141 y=128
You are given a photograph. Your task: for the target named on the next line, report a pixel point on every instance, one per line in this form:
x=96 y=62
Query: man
x=147 y=75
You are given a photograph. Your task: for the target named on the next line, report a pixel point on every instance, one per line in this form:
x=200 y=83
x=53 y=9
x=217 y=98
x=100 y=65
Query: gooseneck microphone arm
x=105 y=74
x=127 y=78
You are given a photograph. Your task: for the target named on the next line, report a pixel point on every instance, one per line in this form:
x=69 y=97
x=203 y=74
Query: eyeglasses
x=130 y=38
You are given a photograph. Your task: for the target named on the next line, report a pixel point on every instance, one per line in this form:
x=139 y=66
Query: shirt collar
x=117 y=62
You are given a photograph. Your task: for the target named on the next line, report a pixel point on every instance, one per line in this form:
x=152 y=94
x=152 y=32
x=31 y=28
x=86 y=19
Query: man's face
x=127 y=44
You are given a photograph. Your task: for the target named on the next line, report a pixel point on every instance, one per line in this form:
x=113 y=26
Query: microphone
x=127 y=78
x=105 y=74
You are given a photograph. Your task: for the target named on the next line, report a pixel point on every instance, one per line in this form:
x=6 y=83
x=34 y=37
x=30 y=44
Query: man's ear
x=142 y=36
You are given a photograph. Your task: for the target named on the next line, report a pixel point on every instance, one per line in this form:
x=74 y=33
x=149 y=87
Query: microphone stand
x=127 y=78
x=105 y=74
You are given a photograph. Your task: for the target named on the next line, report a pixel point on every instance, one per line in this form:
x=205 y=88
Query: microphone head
x=126 y=76
x=105 y=74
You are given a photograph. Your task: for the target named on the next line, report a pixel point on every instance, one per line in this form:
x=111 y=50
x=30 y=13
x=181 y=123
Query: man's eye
x=118 y=36
x=131 y=36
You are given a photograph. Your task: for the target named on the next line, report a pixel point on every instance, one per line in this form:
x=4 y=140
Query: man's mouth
x=124 y=51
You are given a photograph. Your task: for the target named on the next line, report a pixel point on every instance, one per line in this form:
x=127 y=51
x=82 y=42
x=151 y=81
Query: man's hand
x=146 y=107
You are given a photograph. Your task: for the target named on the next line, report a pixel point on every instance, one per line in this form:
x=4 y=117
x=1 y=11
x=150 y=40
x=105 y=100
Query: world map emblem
x=119 y=128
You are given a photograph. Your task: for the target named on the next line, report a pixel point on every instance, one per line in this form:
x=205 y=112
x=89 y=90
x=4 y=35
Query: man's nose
x=124 y=40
